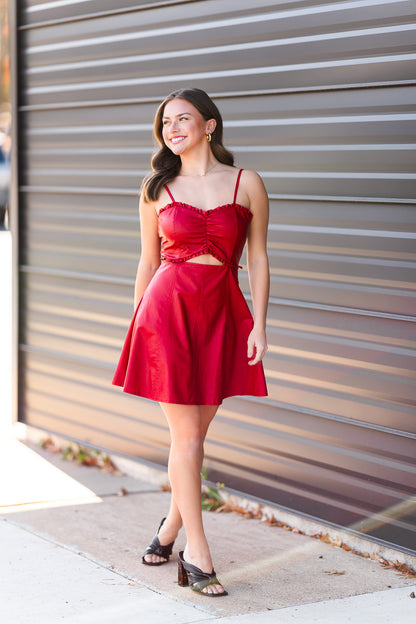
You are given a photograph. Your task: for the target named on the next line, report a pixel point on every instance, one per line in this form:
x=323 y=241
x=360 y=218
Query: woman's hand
x=256 y=346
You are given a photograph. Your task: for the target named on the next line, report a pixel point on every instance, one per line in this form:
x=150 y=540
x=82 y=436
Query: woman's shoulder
x=165 y=198
x=154 y=204
x=147 y=206
x=253 y=191
x=251 y=182
x=249 y=176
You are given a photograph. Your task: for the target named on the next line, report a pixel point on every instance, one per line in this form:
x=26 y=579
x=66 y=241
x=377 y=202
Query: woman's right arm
x=150 y=248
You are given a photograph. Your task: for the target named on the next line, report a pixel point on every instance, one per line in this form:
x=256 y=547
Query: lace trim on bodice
x=243 y=209
x=204 y=250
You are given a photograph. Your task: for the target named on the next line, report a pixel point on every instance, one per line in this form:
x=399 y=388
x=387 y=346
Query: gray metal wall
x=319 y=98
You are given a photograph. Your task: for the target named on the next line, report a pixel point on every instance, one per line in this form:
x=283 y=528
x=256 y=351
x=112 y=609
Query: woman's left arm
x=258 y=264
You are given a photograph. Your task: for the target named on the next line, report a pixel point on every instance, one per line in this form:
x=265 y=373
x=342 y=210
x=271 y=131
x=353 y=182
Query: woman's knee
x=189 y=439
x=186 y=427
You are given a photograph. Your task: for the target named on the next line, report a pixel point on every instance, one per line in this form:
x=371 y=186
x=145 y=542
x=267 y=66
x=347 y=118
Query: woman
x=192 y=341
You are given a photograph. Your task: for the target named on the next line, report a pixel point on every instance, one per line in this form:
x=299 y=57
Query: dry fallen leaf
x=49 y=445
x=334 y=572
x=405 y=570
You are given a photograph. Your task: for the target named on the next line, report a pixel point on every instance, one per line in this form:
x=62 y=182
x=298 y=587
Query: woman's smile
x=177 y=139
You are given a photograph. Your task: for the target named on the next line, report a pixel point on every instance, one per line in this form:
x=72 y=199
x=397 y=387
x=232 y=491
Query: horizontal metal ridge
x=342 y=199
x=330 y=175
x=332 y=308
x=80 y=18
x=332 y=417
x=236 y=123
x=65 y=356
x=345 y=231
x=86 y=276
x=220 y=95
x=280 y=148
x=77 y=190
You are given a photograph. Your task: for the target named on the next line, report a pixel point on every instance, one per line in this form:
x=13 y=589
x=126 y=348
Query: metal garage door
x=320 y=99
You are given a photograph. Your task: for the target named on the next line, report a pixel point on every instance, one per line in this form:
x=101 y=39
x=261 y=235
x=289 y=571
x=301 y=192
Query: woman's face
x=183 y=126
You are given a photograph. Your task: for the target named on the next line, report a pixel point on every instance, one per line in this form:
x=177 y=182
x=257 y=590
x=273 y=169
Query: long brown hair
x=166 y=164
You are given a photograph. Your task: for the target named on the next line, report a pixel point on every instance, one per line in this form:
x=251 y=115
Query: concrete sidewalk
x=71 y=547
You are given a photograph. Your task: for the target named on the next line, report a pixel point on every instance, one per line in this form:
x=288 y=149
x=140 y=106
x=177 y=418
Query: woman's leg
x=188 y=426
x=173 y=522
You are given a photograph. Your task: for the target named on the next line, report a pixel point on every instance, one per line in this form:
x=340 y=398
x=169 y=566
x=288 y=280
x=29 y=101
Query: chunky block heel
x=182 y=575
x=190 y=575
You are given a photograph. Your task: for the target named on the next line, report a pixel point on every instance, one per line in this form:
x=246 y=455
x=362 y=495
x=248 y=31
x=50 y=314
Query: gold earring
x=209 y=137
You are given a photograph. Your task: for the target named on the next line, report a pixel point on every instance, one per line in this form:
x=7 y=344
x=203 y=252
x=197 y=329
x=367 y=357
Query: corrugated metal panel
x=318 y=97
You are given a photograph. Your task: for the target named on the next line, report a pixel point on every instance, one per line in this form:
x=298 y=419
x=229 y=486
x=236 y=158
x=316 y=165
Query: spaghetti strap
x=236 y=185
x=170 y=194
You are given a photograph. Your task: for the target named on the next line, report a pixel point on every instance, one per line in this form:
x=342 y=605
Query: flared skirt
x=187 y=341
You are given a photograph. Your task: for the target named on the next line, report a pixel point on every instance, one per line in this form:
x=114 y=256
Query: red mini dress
x=187 y=341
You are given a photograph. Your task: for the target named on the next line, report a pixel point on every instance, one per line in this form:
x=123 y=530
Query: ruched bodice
x=187 y=231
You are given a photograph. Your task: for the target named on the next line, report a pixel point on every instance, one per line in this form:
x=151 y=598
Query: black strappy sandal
x=156 y=548
x=189 y=574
